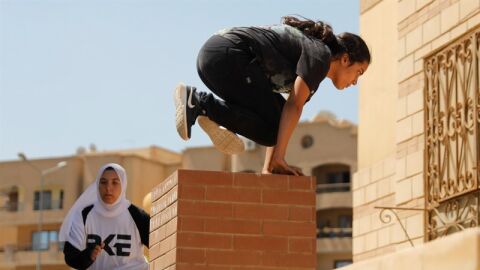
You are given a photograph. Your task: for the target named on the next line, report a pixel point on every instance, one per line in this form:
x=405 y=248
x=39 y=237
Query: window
x=60 y=203
x=323 y=228
x=332 y=178
x=341 y=263
x=338 y=177
x=41 y=240
x=13 y=200
x=334 y=222
x=46 y=200
x=451 y=113
x=345 y=221
x=307 y=141
x=9 y=199
x=51 y=200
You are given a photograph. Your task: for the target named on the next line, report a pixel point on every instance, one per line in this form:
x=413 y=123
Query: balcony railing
x=12 y=206
x=334 y=245
x=328 y=232
x=334 y=187
x=25 y=255
x=19 y=206
x=333 y=200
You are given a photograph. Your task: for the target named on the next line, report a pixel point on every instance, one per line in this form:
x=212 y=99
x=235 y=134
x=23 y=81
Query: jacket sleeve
x=142 y=221
x=77 y=252
x=75 y=258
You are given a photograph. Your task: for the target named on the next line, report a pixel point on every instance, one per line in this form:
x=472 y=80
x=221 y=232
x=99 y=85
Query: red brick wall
x=218 y=220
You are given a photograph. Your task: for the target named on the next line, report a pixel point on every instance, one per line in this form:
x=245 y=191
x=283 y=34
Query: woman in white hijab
x=103 y=230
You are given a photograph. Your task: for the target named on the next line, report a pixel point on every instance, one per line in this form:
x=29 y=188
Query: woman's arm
x=268 y=156
x=142 y=221
x=291 y=113
x=145 y=231
x=75 y=258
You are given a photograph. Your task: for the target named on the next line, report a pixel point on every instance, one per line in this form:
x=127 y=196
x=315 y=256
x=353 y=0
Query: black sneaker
x=187 y=109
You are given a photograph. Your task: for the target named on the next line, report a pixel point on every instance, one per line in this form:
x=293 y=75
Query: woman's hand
x=96 y=251
x=280 y=166
x=291 y=112
x=275 y=163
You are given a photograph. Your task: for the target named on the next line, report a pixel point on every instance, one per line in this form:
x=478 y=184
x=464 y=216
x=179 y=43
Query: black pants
x=248 y=107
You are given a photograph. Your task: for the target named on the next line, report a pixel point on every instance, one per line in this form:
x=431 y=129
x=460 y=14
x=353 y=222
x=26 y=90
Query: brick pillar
x=218 y=220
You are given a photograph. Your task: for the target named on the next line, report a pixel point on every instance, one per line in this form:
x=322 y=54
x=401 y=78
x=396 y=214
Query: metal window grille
x=452 y=115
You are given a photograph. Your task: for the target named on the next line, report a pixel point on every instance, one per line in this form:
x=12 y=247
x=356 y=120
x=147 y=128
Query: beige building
x=324 y=147
x=418 y=136
x=20 y=241
x=417 y=153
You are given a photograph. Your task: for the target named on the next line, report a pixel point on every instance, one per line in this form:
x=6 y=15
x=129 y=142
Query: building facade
x=418 y=142
x=20 y=241
x=324 y=147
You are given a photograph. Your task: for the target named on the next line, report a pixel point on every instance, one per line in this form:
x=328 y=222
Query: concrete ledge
x=460 y=251
x=334 y=245
x=334 y=200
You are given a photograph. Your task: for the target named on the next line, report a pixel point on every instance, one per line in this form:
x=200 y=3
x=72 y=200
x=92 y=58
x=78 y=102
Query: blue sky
x=76 y=72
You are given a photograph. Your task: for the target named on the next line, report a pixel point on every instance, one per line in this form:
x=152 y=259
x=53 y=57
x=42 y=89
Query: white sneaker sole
x=223 y=139
x=180 y=99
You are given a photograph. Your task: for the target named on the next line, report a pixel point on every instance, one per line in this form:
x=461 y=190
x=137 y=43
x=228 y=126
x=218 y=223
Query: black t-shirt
x=285 y=52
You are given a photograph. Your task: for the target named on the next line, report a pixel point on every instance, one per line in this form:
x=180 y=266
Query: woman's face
x=110 y=186
x=347 y=74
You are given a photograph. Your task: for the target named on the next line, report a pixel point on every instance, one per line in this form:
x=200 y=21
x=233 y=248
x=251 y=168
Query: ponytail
x=346 y=42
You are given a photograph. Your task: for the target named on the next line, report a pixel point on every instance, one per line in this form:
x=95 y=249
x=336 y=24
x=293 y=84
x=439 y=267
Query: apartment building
x=416 y=191
x=324 y=147
x=21 y=243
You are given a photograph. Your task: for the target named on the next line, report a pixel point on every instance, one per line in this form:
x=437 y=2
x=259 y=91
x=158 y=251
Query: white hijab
x=92 y=196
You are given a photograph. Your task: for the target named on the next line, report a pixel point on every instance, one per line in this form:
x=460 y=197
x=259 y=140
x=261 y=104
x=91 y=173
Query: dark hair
x=353 y=45
x=109 y=168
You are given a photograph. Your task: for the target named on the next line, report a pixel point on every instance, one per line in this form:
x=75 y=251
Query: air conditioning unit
x=250 y=145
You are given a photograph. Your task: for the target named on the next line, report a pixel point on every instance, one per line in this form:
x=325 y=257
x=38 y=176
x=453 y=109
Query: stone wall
x=397 y=180
x=457 y=251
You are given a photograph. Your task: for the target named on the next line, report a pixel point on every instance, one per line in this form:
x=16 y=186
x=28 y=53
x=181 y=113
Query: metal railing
x=328 y=232
x=52 y=245
x=334 y=187
x=26 y=254
x=19 y=206
x=11 y=206
x=451 y=137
